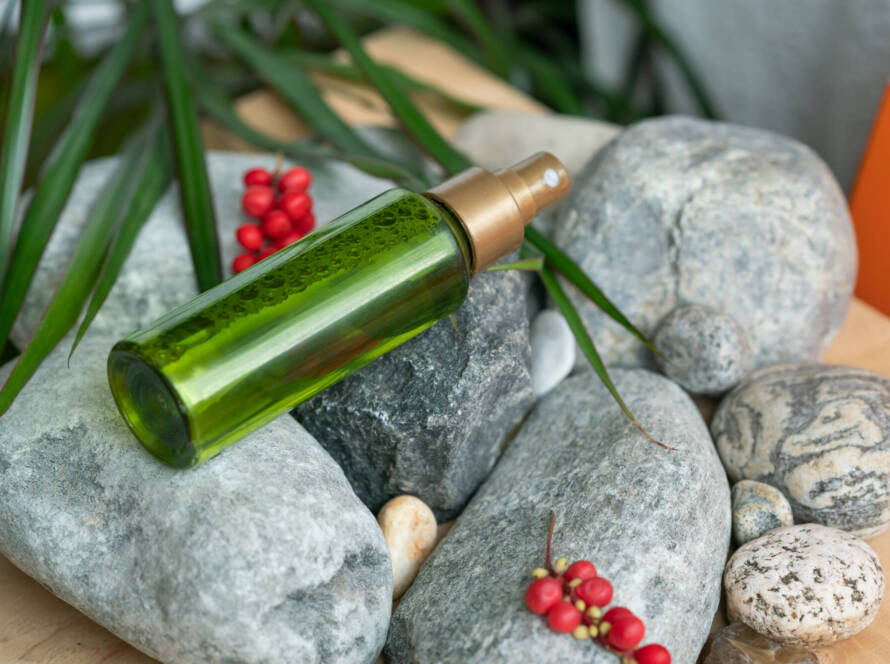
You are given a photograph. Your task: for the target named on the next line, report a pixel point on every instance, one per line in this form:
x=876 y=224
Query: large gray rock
x=681 y=211
x=655 y=522
x=430 y=417
x=820 y=434
x=158 y=274
x=262 y=554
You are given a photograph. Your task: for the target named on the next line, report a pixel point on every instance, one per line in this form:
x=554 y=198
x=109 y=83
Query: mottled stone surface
x=634 y=509
x=806 y=585
x=821 y=434
x=757 y=508
x=553 y=350
x=409 y=528
x=430 y=417
x=704 y=349
x=677 y=210
x=739 y=644
x=158 y=274
x=262 y=554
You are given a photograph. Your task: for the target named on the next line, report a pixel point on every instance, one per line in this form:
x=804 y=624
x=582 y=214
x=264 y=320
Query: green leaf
x=194 y=185
x=347 y=71
x=61 y=171
x=404 y=109
x=644 y=15
x=570 y=270
x=65 y=306
x=404 y=13
x=551 y=82
x=296 y=88
x=530 y=264
x=151 y=182
x=218 y=106
x=499 y=57
x=19 y=114
x=587 y=346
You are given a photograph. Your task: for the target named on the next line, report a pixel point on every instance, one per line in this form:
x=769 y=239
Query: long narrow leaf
x=19 y=114
x=194 y=185
x=570 y=270
x=587 y=346
x=61 y=171
x=68 y=300
x=345 y=70
x=667 y=42
x=404 y=13
x=296 y=88
x=498 y=55
x=151 y=182
x=218 y=106
x=403 y=108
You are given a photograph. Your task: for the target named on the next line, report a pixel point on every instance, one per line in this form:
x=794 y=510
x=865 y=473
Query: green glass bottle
x=250 y=349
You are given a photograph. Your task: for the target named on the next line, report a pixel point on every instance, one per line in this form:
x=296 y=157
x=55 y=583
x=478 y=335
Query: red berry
x=258 y=176
x=242 y=262
x=580 y=569
x=265 y=253
x=595 y=592
x=542 y=594
x=305 y=223
x=257 y=201
x=295 y=179
x=287 y=240
x=296 y=204
x=652 y=654
x=615 y=612
x=276 y=224
x=626 y=632
x=563 y=617
x=250 y=236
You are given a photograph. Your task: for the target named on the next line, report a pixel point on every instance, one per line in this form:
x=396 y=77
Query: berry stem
x=550 y=540
x=279 y=164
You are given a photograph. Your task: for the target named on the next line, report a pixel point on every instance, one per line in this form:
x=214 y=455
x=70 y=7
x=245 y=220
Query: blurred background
x=814 y=70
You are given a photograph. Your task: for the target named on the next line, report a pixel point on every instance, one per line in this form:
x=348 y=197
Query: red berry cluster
x=285 y=215
x=573 y=598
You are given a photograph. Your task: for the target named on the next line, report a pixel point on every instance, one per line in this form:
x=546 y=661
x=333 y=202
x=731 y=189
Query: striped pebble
x=820 y=434
x=806 y=585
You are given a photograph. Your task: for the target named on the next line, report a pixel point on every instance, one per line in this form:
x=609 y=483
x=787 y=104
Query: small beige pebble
x=409 y=528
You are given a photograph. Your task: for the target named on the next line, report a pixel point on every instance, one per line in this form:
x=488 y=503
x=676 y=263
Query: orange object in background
x=870 y=207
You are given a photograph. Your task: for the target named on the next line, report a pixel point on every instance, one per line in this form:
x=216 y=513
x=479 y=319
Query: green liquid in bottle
x=247 y=351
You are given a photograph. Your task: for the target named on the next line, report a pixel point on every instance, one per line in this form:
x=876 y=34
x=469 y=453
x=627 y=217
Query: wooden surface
x=37 y=627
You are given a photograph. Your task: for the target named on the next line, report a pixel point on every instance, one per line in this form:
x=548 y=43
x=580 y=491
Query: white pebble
x=409 y=528
x=553 y=351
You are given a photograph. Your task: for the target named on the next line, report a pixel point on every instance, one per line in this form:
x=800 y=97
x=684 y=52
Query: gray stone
x=820 y=434
x=756 y=509
x=262 y=554
x=430 y=417
x=704 y=349
x=655 y=522
x=553 y=351
x=158 y=274
x=676 y=211
x=739 y=644
x=806 y=585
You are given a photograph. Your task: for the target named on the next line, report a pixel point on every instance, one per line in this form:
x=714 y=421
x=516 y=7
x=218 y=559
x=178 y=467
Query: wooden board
x=38 y=628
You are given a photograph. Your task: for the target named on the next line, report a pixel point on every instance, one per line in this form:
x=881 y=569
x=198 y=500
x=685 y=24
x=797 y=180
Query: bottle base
x=150 y=408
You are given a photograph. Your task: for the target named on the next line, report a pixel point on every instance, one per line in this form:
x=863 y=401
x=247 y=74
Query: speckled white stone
x=409 y=528
x=756 y=509
x=704 y=349
x=553 y=351
x=806 y=585
x=821 y=434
